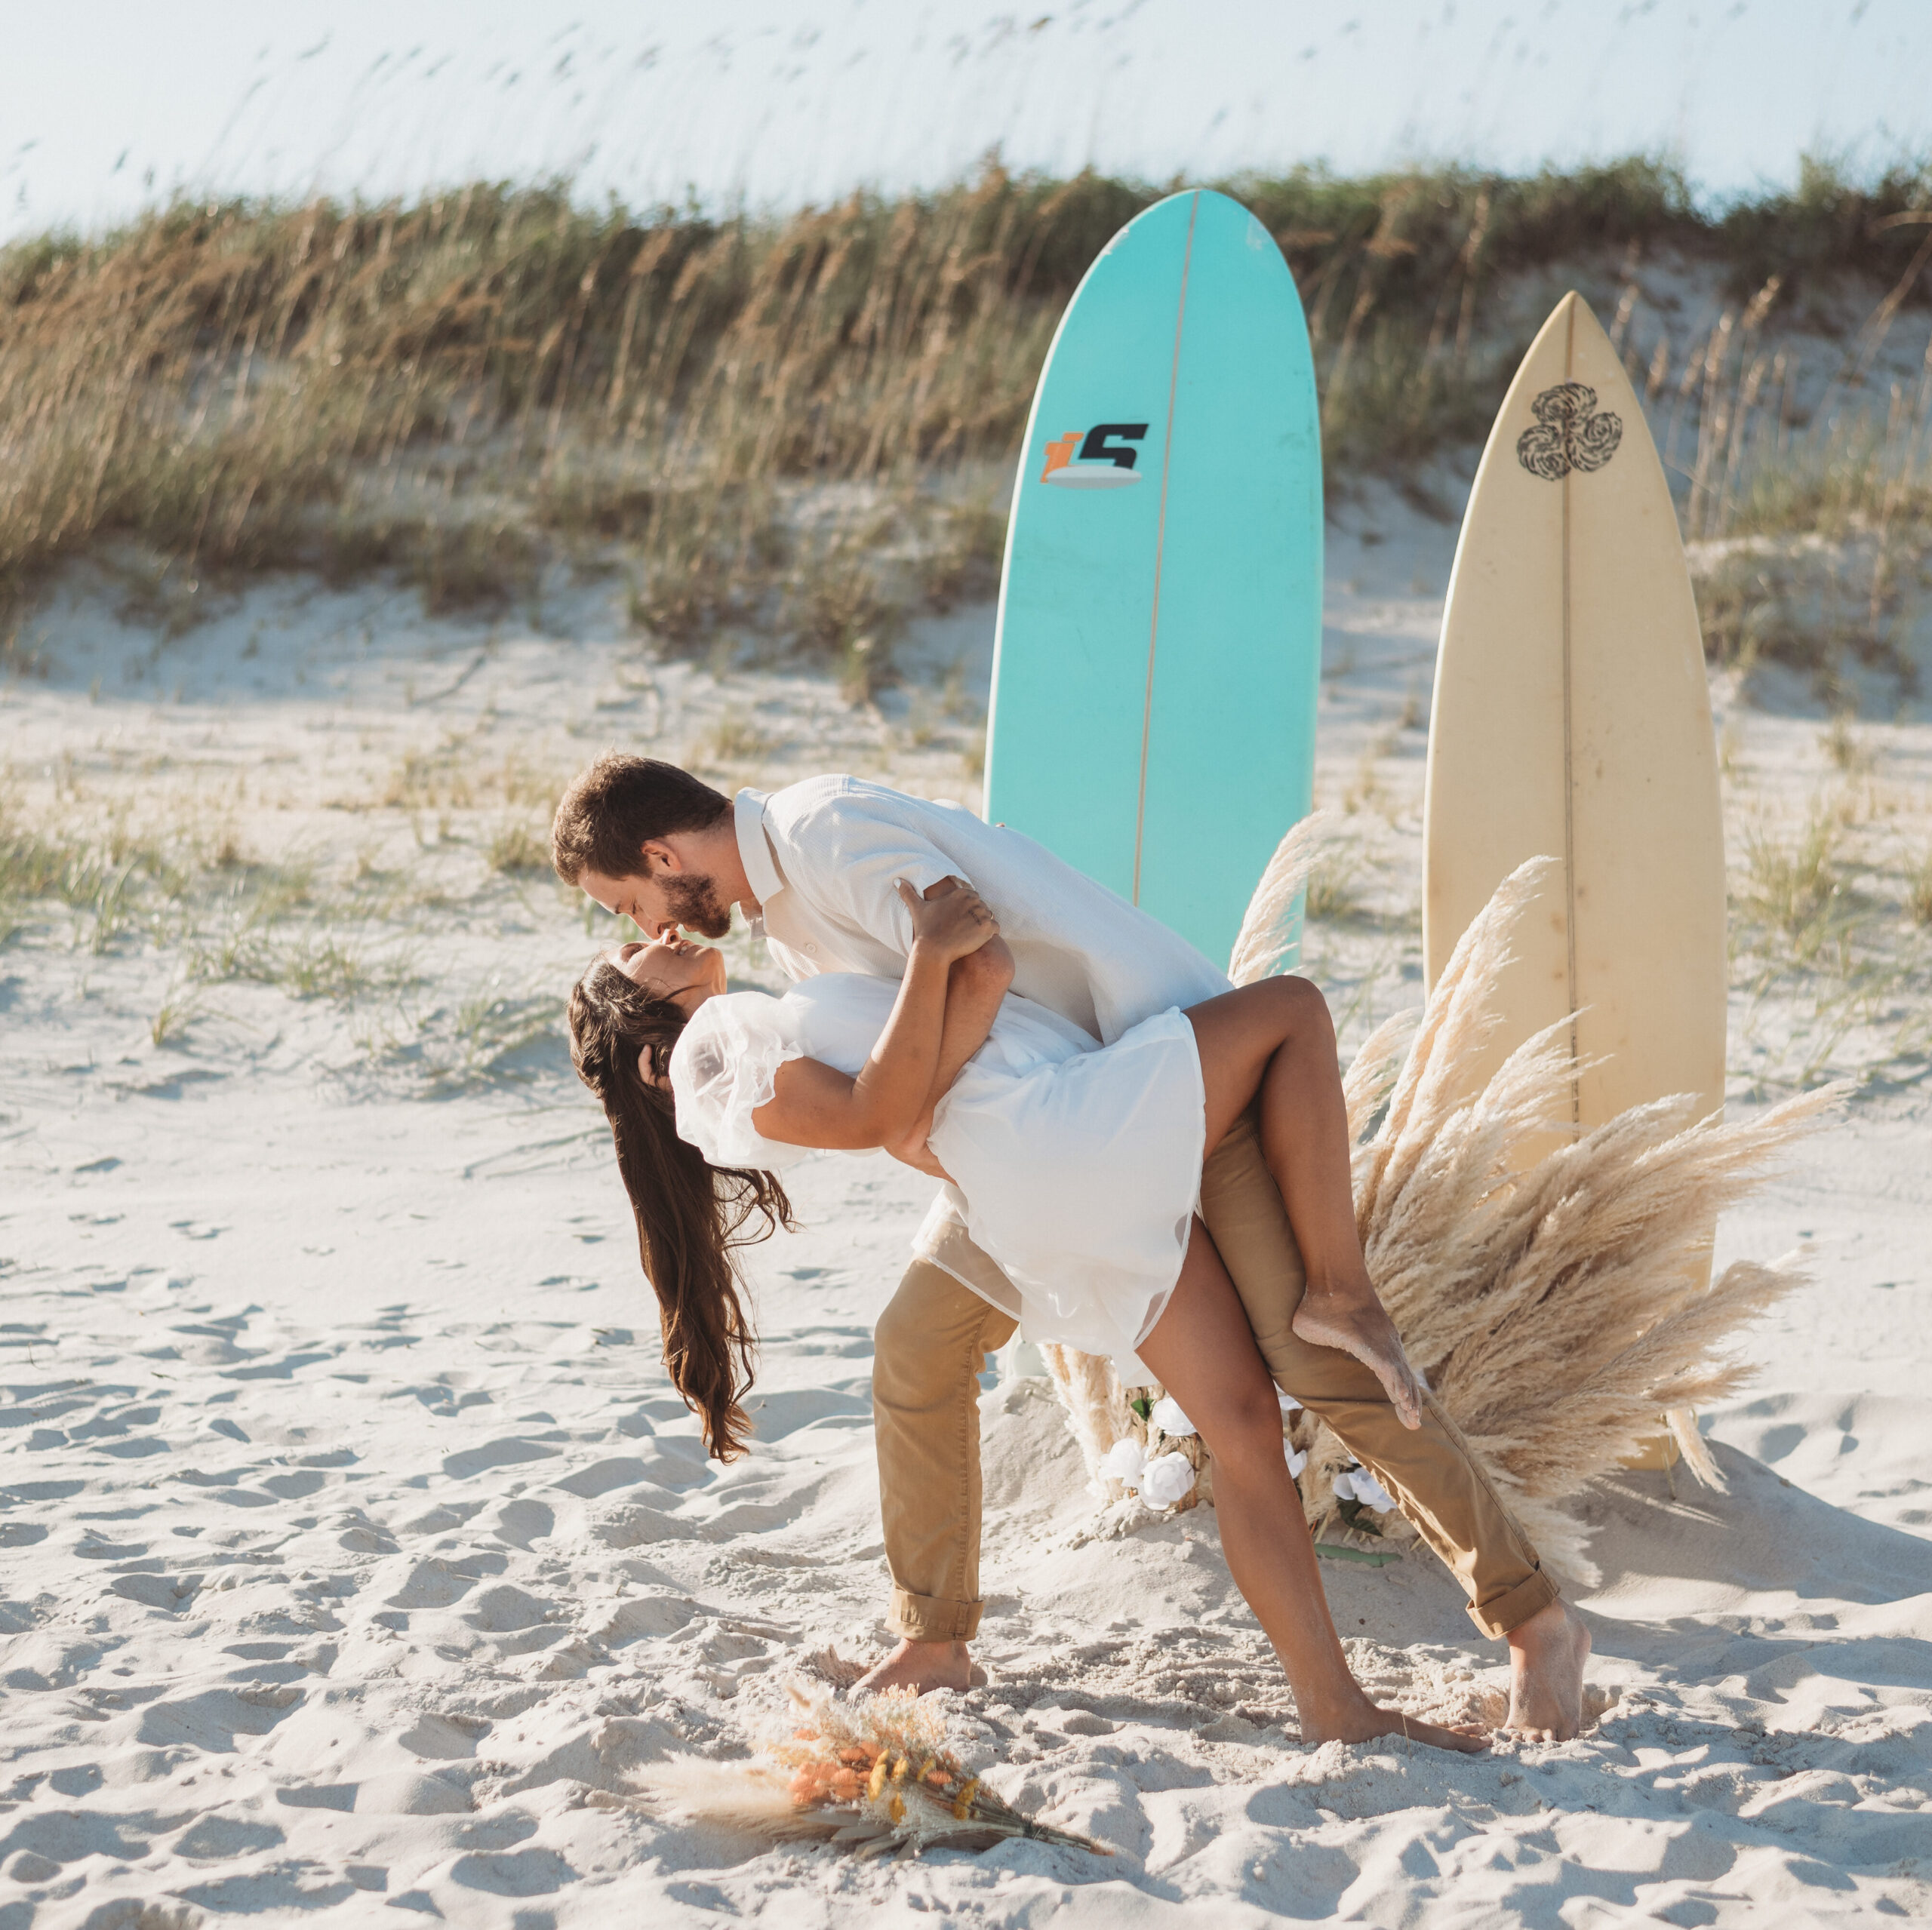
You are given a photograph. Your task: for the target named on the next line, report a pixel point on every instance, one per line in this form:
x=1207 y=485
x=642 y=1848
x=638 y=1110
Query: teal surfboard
x=1158 y=652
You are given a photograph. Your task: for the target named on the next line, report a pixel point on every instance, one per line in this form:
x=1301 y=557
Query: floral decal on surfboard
x=1571 y=433
x=1102 y=457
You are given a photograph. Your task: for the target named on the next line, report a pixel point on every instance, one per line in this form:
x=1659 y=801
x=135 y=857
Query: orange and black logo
x=1102 y=457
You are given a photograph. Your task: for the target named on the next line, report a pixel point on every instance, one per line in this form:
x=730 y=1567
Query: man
x=813 y=868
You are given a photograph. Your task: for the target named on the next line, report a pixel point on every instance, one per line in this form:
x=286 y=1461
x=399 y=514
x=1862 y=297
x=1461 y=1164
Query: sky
x=109 y=105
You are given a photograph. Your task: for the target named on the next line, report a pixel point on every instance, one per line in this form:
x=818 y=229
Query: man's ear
x=659 y=859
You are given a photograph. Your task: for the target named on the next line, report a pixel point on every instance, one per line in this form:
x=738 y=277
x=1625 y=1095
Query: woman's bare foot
x=1547 y=1658
x=1365 y=1721
x=920 y=1666
x=1353 y=1320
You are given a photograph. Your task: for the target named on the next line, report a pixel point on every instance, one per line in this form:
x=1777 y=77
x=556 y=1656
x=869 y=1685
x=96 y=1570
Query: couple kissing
x=1135 y=1159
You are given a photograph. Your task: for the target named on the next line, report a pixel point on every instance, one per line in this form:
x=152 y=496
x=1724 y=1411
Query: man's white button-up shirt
x=821 y=857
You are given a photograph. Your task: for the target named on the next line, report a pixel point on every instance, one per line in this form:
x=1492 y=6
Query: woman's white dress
x=1079 y=1165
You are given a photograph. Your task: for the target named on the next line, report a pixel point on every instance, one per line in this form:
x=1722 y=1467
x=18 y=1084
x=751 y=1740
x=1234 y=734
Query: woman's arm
x=979 y=983
x=813 y=1104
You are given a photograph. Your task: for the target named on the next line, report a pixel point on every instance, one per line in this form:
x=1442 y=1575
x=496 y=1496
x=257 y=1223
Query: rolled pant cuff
x=1533 y=1593
x=927 y=1618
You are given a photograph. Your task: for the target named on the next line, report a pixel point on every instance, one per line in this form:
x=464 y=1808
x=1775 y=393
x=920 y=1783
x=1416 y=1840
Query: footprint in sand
x=521 y=1522
x=508 y=1452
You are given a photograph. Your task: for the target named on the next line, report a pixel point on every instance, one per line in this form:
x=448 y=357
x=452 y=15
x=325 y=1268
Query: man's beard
x=694 y=903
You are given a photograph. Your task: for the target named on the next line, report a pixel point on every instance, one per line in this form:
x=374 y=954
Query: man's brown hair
x=604 y=818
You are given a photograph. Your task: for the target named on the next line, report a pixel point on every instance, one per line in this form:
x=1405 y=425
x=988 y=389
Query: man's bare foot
x=920 y=1666
x=1355 y=1322
x=1365 y=1721
x=1547 y=1658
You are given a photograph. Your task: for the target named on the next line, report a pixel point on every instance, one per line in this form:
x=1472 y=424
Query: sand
x=350 y=1536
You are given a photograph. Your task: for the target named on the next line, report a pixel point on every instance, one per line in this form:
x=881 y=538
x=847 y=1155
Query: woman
x=1079 y=1166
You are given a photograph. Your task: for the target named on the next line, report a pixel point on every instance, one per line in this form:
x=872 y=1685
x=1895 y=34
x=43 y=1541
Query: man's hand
x=912 y=1150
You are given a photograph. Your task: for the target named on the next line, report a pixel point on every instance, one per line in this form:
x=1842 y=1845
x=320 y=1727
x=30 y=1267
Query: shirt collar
x=761 y=872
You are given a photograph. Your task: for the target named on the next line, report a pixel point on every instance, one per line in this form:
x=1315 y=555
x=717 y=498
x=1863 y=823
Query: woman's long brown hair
x=690 y=1213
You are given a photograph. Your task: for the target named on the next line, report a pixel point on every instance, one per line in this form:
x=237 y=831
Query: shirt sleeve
x=724 y=1068
x=862 y=856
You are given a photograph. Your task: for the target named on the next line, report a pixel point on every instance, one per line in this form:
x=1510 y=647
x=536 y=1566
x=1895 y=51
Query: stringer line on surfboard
x=1160 y=546
x=1569 y=765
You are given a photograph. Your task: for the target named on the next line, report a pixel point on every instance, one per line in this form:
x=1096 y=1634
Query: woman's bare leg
x=1203 y=1349
x=1276 y=1039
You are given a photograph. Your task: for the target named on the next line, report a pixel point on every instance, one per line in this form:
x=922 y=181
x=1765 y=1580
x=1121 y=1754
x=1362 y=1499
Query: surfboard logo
x=1571 y=433
x=1102 y=457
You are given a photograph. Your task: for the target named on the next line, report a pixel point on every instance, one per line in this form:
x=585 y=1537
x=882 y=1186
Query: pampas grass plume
x=1556 y=1301
x=1557 y=1305
x=1270 y=933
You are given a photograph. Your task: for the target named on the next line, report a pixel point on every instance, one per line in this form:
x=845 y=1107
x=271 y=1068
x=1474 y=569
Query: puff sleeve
x=723 y=1069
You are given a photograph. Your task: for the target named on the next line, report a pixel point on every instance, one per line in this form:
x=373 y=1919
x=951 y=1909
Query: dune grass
x=1814 y=525
x=1824 y=551
x=1333 y=891
x=1918 y=888
x=463 y=388
x=457 y=389
x=1790 y=887
x=520 y=849
x=1829 y=954
x=348 y=936
x=734 y=739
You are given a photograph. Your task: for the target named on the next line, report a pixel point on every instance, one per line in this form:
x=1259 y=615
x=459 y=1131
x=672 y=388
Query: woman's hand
x=950 y=920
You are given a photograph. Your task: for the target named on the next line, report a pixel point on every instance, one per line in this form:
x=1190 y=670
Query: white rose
x=1169 y=1418
x=1357 y=1484
x=1371 y=1493
x=1297 y=1462
x=1123 y=1460
x=1167 y=1478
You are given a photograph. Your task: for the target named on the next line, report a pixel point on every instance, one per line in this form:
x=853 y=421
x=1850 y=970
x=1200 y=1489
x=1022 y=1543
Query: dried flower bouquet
x=874 y=1776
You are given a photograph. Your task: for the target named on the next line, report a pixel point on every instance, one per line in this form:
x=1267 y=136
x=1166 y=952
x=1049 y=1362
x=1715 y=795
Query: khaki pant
x=930 y=1345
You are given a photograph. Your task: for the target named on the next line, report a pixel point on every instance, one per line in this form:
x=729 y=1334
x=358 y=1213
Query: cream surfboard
x=1572 y=718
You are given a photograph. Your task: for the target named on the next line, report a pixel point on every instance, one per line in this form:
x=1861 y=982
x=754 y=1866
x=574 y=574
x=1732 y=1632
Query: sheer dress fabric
x=723 y=1067
x=1076 y=1167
